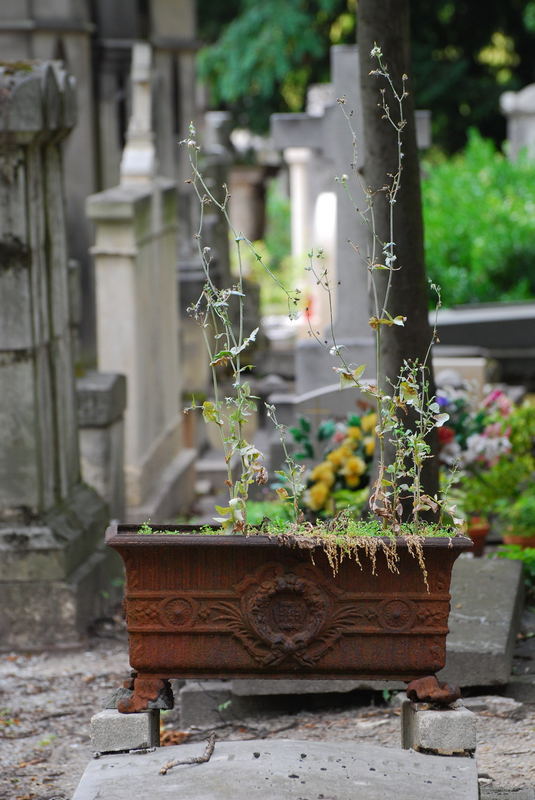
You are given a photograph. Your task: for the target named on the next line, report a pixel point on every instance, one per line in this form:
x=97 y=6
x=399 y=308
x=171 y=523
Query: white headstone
x=138 y=163
x=318 y=147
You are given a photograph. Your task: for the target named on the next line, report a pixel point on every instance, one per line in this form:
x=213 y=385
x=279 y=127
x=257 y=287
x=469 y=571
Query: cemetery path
x=46 y=702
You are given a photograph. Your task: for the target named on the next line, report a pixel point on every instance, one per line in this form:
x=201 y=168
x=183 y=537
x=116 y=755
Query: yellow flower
x=369 y=422
x=317 y=496
x=354 y=433
x=354 y=466
x=339 y=456
x=353 y=469
x=369 y=445
x=323 y=472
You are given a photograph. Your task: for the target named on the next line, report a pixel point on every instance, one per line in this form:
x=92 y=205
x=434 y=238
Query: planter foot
x=148 y=693
x=431 y=690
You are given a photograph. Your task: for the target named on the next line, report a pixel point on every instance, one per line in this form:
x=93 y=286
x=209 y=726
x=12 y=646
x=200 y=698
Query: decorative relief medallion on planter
x=397 y=614
x=287 y=611
x=434 y=615
x=282 y=614
x=177 y=612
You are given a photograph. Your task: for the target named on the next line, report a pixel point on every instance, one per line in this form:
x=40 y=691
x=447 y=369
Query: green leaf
x=309 y=450
x=408 y=392
x=210 y=413
x=346 y=378
x=326 y=430
x=220 y=358
x=297 y=434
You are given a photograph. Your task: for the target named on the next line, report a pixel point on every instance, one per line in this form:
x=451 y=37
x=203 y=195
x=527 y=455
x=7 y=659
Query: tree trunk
x=386 y=24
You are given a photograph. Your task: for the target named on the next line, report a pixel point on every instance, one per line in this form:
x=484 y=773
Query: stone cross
x=138 y=162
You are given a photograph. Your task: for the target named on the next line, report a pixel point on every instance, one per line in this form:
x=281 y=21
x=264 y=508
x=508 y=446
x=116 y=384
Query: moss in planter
x=340 y=538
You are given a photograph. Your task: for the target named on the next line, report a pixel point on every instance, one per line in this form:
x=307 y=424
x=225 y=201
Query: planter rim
x=121 y=534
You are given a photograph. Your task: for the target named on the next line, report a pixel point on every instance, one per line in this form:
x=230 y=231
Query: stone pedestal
x=52 y=567
x=247 y=203
x=101 y=404
x=62 y=29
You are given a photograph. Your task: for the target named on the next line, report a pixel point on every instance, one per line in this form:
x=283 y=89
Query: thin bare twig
x=19 y=735
x=202 y=759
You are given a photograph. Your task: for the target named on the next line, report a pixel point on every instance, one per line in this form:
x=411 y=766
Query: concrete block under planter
x=449 y=731
x=112 y=732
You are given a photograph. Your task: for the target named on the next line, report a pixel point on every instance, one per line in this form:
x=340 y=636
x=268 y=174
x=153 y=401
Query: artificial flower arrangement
x=340 y=478
x=492 y=447
x=475 y=434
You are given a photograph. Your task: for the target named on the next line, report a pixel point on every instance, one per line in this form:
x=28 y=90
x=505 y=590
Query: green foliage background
x=260 y=57
x=265 y=54
x=479 y=219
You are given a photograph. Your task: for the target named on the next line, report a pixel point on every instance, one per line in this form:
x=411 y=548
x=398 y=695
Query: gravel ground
x=47 y=700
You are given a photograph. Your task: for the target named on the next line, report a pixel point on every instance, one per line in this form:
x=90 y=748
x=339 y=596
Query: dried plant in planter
x=406 y=413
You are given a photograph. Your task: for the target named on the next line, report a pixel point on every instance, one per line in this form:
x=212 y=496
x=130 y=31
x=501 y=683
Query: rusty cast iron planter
x=225 y=606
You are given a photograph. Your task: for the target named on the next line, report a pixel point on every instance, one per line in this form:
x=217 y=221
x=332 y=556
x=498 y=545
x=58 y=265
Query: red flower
x=445 y=434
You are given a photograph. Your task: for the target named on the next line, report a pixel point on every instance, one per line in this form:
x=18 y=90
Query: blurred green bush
x=479 y=215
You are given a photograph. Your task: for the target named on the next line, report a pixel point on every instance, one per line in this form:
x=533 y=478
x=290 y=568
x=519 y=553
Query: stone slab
x=205 y=703
x=293 y=770
x=268 y=686
x=486 y=608
x=521 y=688
x=500 y=793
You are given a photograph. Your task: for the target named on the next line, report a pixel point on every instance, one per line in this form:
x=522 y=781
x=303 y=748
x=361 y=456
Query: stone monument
x=52 y=561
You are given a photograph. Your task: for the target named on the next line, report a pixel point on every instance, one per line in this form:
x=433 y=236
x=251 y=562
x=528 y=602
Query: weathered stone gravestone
x=318 y=148
x=52 y=566
x=137 y=314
